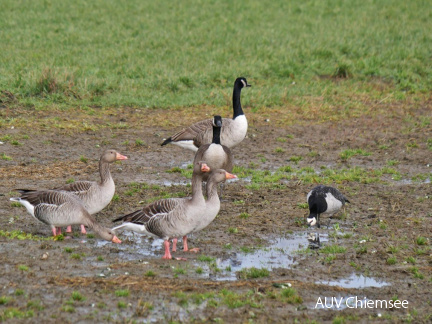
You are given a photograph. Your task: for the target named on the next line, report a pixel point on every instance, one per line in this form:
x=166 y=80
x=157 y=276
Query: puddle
x=281 y=253
x=135 y=245
x=355 y=281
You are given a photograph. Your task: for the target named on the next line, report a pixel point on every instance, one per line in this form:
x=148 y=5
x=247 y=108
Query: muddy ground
x=385 y=231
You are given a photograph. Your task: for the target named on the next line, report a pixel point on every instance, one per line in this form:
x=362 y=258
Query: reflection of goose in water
x=314 y=241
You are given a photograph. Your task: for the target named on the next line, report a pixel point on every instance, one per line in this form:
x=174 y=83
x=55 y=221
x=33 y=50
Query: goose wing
x=79 y=188
x=143 y=215
x=188 y=134
x=206 y=135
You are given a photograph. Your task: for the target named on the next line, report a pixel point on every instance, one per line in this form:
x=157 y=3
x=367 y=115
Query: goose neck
x=212 y=190
x=236 y=102
x=216 y=135
x=104 y=171
x=197 y=193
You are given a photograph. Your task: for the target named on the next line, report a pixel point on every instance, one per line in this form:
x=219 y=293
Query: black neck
x=238 y=111
x=216 y=134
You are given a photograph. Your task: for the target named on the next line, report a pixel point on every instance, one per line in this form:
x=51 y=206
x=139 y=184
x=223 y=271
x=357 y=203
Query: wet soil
x=384 y=256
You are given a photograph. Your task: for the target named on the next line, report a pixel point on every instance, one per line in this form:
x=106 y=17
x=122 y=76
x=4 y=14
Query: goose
x=60 y=208
x=95 y=195
x=213 y=201
x=324 y=200
x=215 y=155
x=233 y=130
x=186 y=217
x=164 y=206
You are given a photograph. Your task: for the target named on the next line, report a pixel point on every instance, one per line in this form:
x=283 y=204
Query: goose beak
x=230 y=176
x=121 y=157
x=248 y=85
x=115 y=239
x=205 y=168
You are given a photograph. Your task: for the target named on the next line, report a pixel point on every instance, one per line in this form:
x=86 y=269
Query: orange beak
x=121 y=157
x=205 y=168
x=230 y=176
x=116 y=240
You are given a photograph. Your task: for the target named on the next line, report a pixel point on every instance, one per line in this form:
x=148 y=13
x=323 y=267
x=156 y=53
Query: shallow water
x=281 y=253
x=355 y=281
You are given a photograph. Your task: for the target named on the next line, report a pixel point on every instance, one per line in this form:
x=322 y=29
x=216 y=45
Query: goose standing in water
x=324 y=200
x=95 y=195
x=59 y=208
x=140 y=217
x=233 y=130
x=184 y=218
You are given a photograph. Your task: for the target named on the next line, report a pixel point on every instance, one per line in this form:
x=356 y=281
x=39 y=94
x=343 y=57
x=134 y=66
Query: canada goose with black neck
x=232 y=133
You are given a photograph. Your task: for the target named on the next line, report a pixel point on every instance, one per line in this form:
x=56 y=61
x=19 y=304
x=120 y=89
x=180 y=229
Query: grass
x=23 y=267
x=76 y=296
x=347 y=154
x=122 y=293
x=333 y=249
x=150 y=273
x=139 y=64
x=253 y=273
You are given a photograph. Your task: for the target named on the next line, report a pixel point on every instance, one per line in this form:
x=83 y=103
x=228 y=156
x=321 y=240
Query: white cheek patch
x=311 y=221
x=244 y=83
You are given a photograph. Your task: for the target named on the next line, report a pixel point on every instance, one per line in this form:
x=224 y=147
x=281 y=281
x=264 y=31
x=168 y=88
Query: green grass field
x=188 y=53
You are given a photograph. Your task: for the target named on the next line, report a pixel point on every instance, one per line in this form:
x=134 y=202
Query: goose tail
x=167 y=141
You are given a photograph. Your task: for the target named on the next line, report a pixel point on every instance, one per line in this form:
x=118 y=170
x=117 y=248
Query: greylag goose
x=324 y=200
x=143 y=215
x=95 y=195
x=233 y=130
x=215 y=155
x=213 y=201
x=183 y=219
x=59 y=208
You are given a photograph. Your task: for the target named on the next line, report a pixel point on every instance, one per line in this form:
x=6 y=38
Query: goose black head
x=242 y=82
x=217 y=121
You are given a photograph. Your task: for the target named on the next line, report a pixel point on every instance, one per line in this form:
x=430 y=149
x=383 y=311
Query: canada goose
x=95 y=195
x=184 y=218
x=324 y=200
x=215 y=155
x=137 y=220
x=233 y=130
x=60 y=208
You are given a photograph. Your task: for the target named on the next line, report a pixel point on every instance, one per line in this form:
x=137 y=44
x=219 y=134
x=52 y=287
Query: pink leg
x=83 y=230
x=69 y=229
x=167 y=250
x=174 y=247
x=58 y=230
x=185 y=246
x=54 y=230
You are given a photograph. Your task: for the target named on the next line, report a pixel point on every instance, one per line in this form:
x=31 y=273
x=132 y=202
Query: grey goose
x=186 y=217
x=95 y=195
x=233 y=130
x=60 y=208
x=324 y=200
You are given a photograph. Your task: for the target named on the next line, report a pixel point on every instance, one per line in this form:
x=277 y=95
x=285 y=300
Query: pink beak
x=121 y=157
x=116 y=240
x=205 y=168
x=230 y=176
